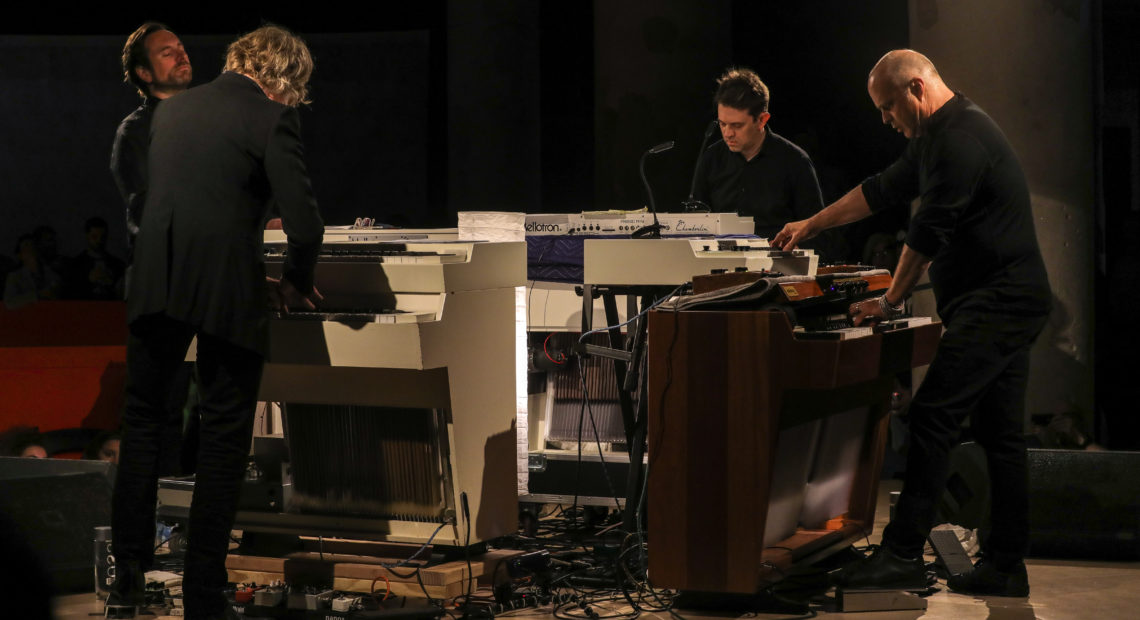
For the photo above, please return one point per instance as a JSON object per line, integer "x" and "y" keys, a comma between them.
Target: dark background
{"x": 451, "y": 105}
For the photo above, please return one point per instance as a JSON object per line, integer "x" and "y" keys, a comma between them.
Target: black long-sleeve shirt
{"x": 128, "y": 162}
{"x": 775, "y": 187}
{"x": 975, "y": 220}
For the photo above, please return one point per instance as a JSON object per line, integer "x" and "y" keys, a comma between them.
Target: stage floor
{"x": 1061, "y": 589}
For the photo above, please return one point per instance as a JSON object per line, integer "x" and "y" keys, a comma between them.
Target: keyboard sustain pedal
{"x": 951, "y": 556}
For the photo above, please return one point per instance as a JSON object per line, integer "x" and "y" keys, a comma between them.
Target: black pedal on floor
{"x": 951, "y": 555}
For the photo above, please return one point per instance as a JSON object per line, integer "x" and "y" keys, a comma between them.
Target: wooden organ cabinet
{"x": 764, "y": 450}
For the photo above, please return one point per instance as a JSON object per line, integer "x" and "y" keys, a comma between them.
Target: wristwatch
{"x": 891, "y": 311}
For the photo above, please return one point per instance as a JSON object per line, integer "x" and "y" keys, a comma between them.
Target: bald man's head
{"x": 899, "y": 67}
{"x": 907, "y": 90}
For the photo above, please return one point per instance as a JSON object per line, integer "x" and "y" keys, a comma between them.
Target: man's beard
{"x": 175, "y": 84}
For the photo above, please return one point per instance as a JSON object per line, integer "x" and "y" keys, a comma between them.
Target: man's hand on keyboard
{"x": 283, "y": 295}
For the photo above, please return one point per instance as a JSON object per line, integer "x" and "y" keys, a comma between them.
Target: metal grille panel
{"x": 366, "y": 461}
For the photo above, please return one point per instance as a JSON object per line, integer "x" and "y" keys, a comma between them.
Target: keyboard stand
{"x": 629, "y": 369}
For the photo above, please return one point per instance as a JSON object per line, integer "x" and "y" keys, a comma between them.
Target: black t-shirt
{"x": 776, "y": 187}
{"x": 975, "y": 220}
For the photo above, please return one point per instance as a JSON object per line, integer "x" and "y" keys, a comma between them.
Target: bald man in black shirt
{"x": 974, "y": 230}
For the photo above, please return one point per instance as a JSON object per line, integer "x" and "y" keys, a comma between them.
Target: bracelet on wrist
{"x": 891, "y": 311}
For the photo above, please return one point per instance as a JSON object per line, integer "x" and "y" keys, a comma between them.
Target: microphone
{"x": 693, "y": 204}
{"x": 652, "y": 231}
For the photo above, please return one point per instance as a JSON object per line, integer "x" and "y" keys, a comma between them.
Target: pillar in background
{"x": 1028, "y": 63}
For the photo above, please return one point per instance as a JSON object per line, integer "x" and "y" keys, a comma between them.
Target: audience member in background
{"x": 104, "y": 447}
{"x": 883, "y": 250}
{"x": 7, "y": 265}
{"x": 94, "y": 273}
{"x": 34, "y": 451}
{"x": 1064, "y": 431}
{"x": 25, "y": 441}
{"x": 45, "y": 239}
{"x": 33, "y": 279}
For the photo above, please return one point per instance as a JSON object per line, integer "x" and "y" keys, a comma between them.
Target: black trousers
{"x": 980, "y": 371}
{"x": 229, "y": 376}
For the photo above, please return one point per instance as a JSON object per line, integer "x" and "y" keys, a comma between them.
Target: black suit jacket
{"x": 219, "y": 155}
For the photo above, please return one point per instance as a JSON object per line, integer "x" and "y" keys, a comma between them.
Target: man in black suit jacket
{"x": 220, "y": 154}
{"x": 156, "y": 64}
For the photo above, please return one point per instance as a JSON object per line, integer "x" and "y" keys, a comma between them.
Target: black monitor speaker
{"x": 52, "y": 507}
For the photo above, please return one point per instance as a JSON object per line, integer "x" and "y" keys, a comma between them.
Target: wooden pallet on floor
{"x": 361, "y": 572}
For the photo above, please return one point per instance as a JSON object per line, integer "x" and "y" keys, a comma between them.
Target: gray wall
{"x": 1028, "y": 63}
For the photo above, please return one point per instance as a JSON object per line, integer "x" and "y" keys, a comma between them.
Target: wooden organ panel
{"x": 764, "y": 450}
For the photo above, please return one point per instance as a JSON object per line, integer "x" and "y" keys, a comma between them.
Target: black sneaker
{"x": 883, "y": 570}
{"x": 128, "y": 592}
{"x": 987, "y": 580}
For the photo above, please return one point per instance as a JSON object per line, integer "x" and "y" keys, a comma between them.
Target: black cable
{"x": 597, "y": 437}
{"x": 585, "y": 395}
{"x": 423, "y": 588}
{"x": 533, "y": 283}
{"x": 668, "y": 378}
{"x": 418, "y": 551}
{"x": 467, "y": 549}
{"x": 652, "y": 306}
{"x": 581, "y": 418}
{"x": 163, "y": 542}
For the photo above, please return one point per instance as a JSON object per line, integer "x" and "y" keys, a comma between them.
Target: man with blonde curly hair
{"x": 220, "y": 155}
{"x": 277, "y": 60}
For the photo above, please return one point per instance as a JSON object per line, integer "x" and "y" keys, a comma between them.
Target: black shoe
{"x": 987, "y": 580}
{"x": 128, "y": 592}
{"x": 883, "y": 570}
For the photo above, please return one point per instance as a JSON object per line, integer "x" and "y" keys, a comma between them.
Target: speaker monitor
{"x": 52, "y": 507}
{"x": 1082, "y": 503}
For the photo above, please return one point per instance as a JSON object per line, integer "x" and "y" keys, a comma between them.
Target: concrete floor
{"x": 1061, "y": 590}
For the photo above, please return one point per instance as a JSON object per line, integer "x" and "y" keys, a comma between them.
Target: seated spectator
{"x": 1064, "y": 431}
{"x": 105, "y": 447}
{"x": 46, "y": 248}
{"x": 24, "y": 441}
{"x": 33, "y": 450}
{"x": 6, "y": 265}
{"x": 33, "y": 280}
{"x": 882, "y": 250}
{"x": 93, "y": 273}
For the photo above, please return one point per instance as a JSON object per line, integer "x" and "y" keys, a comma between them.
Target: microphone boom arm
{"x": 652, "y": 231}
{"x": 692, "y": 204}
